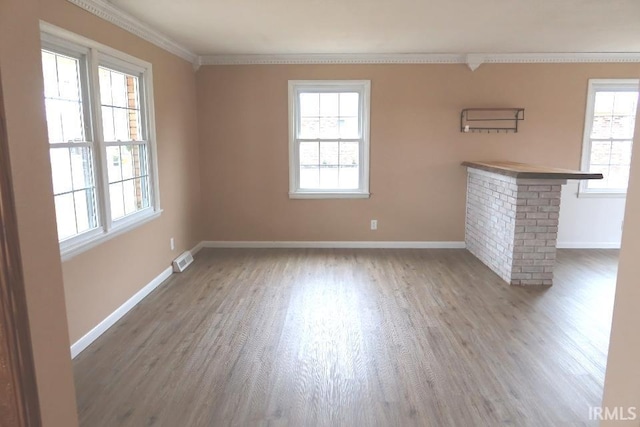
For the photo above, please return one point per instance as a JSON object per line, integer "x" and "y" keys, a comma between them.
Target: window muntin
{"x": 329, "y": 143}
{"x": 104, "y": 171}
{"x": 610, "y": 124}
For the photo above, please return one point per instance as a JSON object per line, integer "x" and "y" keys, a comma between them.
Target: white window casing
{"x": 332, "y": 142}
{"x": 92, "y": 56}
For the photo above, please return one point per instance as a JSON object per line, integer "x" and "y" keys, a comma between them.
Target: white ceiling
{"x": 209, "y": 27}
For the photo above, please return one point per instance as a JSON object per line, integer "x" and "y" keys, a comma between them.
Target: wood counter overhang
{"x": 527, "y": 171}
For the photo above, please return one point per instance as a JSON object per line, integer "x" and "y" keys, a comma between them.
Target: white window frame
{"x": 363, "y": 87}
{"x": 594, "y": 86}
{"x": 97, "y": 54}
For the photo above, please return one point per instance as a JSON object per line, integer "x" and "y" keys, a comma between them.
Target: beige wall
{"x": 622, "y": 382}
{"x": 100, "y": 280}
{"x": 29, "y": 154}
{"x": 416, "y": 184}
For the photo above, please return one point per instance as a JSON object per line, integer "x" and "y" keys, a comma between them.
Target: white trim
{"x": 473, "y": 60}
{"x": 588, "y": 245}
{"x": 328, "y": 195}
{"x": 102, "y": 327}
{"x": 105, "y": 10}
{"x": 332, "y": 244}
{"x": 126, "y": 21}
{"x": 593, "y": 86}
{"x": 78, "y": 246}
{"x": 362, "y": 87}
{"x": 197, "y": 248}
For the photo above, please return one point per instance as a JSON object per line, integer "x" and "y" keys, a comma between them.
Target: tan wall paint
{"x": 23, "y": 88}
{"x": 622, "y": 382}
{"x": 100, "y": 280}
{"x": 417, "y": 185}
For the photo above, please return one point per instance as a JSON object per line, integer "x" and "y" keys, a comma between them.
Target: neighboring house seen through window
{"x": 102, "y": 149}
{"x": 608, "y": 139}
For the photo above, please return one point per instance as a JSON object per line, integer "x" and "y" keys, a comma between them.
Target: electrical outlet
{"x": 374, "y": 224}
{"x": 172, "y": 243}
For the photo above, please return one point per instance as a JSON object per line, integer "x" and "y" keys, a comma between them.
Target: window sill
{"x": 600, "y": 195}
{"x": 91, "y": 239}
{"x": 319, "y": 195}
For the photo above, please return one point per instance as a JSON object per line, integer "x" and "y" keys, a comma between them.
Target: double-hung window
{"x": 101, "y": 139}
{"x": 329, "y": 138}
{"x": 608, "y": 137}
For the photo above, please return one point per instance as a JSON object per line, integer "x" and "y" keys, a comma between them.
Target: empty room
{"x": 319, "y": 213}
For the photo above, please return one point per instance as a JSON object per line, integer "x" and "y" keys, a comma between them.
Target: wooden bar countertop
{"x": 524, "y": 170}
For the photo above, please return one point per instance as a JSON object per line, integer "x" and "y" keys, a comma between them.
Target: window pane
{"x": 625, "y": 103}
{"x": 130, "y": 197}
{"x": 50, "y": 75}
{"x": 349, "y": 127}
{"x": 121, "y": 124}
{"x": 329, "y": 153}
{"x": 86, "y": 214}
{"x": 108, "y": 129}
{"x": 309, "y": 153}
{"x": 68, "y": 78}
{"x": 622, "y": 126}
{"x": 120, "y": 98}
{"x": 65, "y": 216}
{"x": 117, "y": 202}
{"x": 309, "y": 104}
{"x": 309, "y": 128}
{"x": 600, "y": 152}
{"x": 349, "y": 173}
{"x": 618, "y": 177}
{"x": 134, "y": 161}
{"x": 61, "y": 170}
{"x": 54, "y": 120}
{"x": 105, "y": 86}
{"x": 329, "y": 127}
{"x": 329, "y": 104}
{"x": 349, "y": 104}
{"x": 114, "y": 169}
{"x": 621, "y": 152}
{"x": 63, "y": 100}
{"x": 329, "y": 162}
{"x": 72, "y": 128}
{"x": 603, "y": 104}
{"x": 309, "y": 177}
{"x": 81, "y": 167}
{"x": 601, "y": 127}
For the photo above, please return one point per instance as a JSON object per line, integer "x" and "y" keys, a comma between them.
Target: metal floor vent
{"x": 182, "y": 262}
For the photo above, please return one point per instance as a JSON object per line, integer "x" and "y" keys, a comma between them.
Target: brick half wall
{"x": 512, "y": 225}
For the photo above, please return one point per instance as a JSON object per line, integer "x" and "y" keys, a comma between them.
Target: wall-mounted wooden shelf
{"x": 490, "y": 119}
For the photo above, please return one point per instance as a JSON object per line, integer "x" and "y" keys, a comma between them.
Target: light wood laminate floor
{"x": 354, "y": 337}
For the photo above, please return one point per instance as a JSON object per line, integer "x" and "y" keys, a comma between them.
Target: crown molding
{"x": 107, "y": 11}
{"x": 472, "y": 60}
{"x": 338, "y": 58}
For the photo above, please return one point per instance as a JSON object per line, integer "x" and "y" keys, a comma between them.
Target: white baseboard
{"x": 197, "y": 248}
{"x": 327, "y": 244}
{"x": 588, "y": 245}
{"x": 93, "y": 334}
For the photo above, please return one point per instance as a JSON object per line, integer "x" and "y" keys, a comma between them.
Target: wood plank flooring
{"x": 354, "y": 337}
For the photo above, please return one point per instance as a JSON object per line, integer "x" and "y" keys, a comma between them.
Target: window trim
{"x": 593, "y": 86}
{"x": 97, "y": 54}
{"x": 361, "y": 86}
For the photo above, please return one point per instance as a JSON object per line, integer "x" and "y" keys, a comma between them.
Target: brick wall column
{"x": 512, "y": 225}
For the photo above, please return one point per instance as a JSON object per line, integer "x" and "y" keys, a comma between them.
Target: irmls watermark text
{"x": 616, "y": 413}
